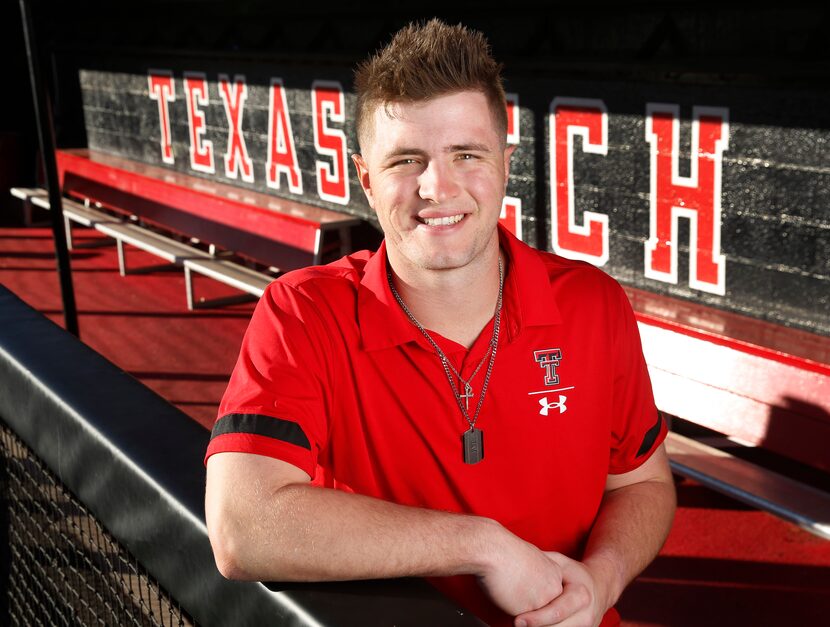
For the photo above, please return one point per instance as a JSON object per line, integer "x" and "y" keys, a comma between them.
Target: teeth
{"x": 443, "y": 221}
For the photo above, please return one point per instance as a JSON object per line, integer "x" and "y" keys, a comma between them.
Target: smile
{"x": 442, "y": 221}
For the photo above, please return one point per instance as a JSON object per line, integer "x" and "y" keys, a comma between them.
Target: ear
{"x": 508, "y": 152}
{"x": 363, "y": 177}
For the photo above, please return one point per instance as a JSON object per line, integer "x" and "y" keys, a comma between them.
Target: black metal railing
{"x": 103, "y": 487}
{"x": 63, "y": 566}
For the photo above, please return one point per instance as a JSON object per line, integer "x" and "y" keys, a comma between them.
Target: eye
{"x": 466, "y": 156}
{"x": 406, "y": 161}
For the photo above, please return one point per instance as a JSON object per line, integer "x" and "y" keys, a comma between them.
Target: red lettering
{"x": 332, "y": 178}
{"x": 160, "y": 83}
{"x": 196, "y": 95}
{"x": 511, "y": 207}
{"x": 511, "y": 215}
{"x": 587, "y": 118}
{"x": 696, "y": 197}
{"x": 282, "y": 156}
{"x": 513, "y": 131}
{"x": 236, "y": 156}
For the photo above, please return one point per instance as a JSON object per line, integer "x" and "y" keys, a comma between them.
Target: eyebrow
{"x": 399, "y": 152}
{"x": 468, "y": 148}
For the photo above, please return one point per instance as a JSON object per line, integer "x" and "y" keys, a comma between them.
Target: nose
{"x": 437, "y": 182}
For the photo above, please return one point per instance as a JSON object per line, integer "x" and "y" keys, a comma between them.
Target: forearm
{"x": 303, "y": 533}
{"x": 267, "y": 523}
{"x": 631, "y": 527}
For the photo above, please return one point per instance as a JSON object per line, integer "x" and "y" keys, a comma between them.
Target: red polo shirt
{"x": 334, "y": 378}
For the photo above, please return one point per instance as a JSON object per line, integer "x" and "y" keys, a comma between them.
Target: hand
{"x": 521, "y": 577}
{"x": 579, "y": 605}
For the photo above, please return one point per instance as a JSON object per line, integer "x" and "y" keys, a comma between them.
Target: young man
{"x": 469, "y": 409}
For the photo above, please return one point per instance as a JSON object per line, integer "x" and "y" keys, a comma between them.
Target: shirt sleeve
{"x": 638, "y": 428}
{"x": 275, "y": 402}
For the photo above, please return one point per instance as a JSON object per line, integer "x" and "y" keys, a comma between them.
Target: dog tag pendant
{"x": 473, "y": 446}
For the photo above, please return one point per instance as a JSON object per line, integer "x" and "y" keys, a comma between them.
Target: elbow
{"x": 230, "y": 568}
{"x": 230, "y": 534}
{"x": 248, "y": 544}
{"x": 229, "y": 554}
{"x": 231, "y": 539}
{"x": 238, "y": 558}
{"x": 242, "y": 553}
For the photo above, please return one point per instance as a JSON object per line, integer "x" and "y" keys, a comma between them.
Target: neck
{"x": 457, "y": 303}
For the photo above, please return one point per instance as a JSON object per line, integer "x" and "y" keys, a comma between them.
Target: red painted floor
{"x": 140, "y": 322}
{"x": 723, "y": 564}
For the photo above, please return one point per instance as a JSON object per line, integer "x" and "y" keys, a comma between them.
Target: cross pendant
{"x": 468, "y": 394}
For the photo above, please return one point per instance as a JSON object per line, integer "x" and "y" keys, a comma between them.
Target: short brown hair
{"x": 428, "y": 60}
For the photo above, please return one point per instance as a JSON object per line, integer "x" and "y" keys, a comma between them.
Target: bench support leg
{"x": 216, "y": 302}
{"x": 28, "y": 211}
{"x": 188, "y": 286}
{"x": 122, "y": 262}
{"x": 71, "y": 244}
{"x": 28, "y": 220}
{"x": 67, "y": 226}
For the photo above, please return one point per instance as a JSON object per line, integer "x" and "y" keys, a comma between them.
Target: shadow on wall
{"x": 800, "y": 430}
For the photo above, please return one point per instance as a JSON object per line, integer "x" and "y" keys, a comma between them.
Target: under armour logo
{"x": 546, "y": 407}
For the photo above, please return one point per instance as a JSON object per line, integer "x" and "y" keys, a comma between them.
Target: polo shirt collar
{"x": 381, "y": 320}
{"x": 528, "y": 298}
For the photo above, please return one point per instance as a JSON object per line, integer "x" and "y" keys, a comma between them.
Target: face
{"x": 435, "y": 173}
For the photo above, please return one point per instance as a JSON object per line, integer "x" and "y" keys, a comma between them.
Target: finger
{"x": 573, "y": 599}
{"x": 580, "y": 619}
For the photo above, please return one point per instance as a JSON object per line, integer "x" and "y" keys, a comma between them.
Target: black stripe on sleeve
{"x": 651, "y": 436}
{"x": 257, "y": 424}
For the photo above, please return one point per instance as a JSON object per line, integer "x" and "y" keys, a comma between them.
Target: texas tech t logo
{"x": 548, "y": 359}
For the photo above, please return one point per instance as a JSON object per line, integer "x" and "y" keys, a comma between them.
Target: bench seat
{"x": 76, "y": 212}
{"x": 192, "y": 259}
{"x": 757, "y": 383}
{"x": 125, "y": 233}
{"x": 227, "y": 272}
{"x": 751, "y": 484}
{"x": 274, "y": 231}
{"x": 27, "y": 195}
{"x": 760, "y": 383}
{"x": 163, "y": 247}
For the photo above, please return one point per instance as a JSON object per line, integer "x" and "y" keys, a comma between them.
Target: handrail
{"x": 135, "y": 461}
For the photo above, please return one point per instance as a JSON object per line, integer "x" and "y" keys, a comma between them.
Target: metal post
{"x": 46, "y": 139}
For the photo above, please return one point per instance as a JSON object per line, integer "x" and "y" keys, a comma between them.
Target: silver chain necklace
{"x": 473, "y": 439}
